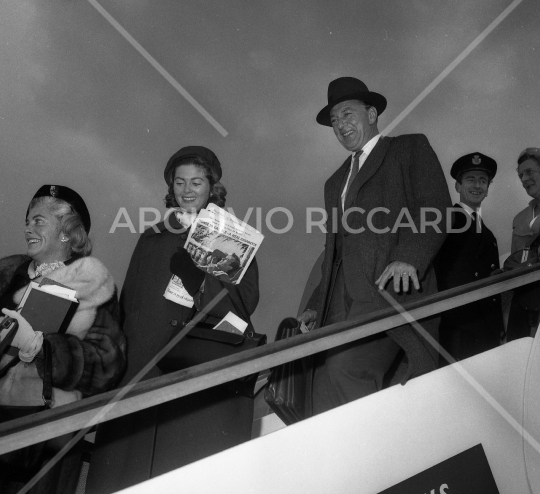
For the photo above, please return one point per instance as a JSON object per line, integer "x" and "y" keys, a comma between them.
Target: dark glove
{"x": 183, "y": 266}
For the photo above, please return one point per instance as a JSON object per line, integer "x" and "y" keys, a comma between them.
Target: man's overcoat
{"x": 399, "y": 188}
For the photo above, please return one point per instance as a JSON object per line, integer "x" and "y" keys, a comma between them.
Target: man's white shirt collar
{"x": 471, "y": 210}
{"x": 370, "y": 145}
{"x": 478, "y": 212}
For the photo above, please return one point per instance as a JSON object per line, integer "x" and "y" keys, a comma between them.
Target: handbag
{"x": 21, "y": 465}
{"x": 203, "y": 344}
{"x": 288, "y": 391}
{"x": 528, "y": 296}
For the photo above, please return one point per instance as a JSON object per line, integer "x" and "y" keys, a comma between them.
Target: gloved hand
{"x": 28, "y": 341}
{"x": 183, "y": 266}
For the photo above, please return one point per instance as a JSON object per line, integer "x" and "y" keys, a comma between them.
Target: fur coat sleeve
{"x": 91, "y": 356}
{"x": 94, "y": 364}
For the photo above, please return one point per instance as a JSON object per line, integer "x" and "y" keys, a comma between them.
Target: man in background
{"x": 467, "y": 256}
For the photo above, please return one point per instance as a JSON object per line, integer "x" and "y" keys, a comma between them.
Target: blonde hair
{"x": 70, "y": 223}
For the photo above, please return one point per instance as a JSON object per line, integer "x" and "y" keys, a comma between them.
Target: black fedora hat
{"x": 347, "y": 88}
{"x": 474, "y": 161}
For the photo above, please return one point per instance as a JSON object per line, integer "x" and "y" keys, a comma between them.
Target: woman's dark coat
{"x": 132, "y": 449}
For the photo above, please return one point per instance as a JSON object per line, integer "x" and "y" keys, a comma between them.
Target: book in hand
{"x": 48, "y": 306}
{"x": 221, "y": 244}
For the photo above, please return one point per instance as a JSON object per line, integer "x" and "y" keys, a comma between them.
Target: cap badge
{"x": 476, "y": 160}
{"x": 54, "y": 190}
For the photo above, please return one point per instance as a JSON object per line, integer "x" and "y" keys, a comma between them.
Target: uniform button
{"x": 492, "y": 266}
{"x": 476, "y": 274}
{"x": 174, "y": 322}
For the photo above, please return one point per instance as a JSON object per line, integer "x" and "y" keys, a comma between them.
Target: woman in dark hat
{"x": 89, "y": 357}
{"x": 148, "y": 443}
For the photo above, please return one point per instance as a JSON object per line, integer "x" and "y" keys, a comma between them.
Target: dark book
{"x": 45, "y": 311}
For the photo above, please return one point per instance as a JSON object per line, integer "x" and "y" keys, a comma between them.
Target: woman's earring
{"x": 64, "y": 239}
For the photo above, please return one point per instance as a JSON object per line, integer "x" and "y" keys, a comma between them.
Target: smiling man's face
{"x": 473, "y": 188}
{"x": 529, "y": 174}
{"x": 354, "y": 124}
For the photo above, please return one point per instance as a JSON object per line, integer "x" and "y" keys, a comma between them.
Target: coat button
{"x": 492, "y": 266}
{"x": 174, "y": 322}
{"x": 476, "y": 274}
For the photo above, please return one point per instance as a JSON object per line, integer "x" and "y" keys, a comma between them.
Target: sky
{"x": 81, "y": 106}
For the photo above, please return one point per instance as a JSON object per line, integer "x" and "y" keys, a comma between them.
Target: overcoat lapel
{"x": 370, "y": 166}
{"x": 336, "y": 184}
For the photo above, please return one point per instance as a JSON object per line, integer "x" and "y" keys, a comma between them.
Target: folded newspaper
{"x": 221, "y": 244}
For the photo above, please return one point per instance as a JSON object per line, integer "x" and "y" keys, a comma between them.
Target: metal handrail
{"x": 79, "y": 415}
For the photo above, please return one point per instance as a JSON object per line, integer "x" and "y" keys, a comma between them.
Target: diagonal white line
{"x": 154, "y": 63}
{"x": 122, "y": 392}
{"x": 388, "y": 297}
{"x": 416, "y": 101}
{"x": 466, "y": 376}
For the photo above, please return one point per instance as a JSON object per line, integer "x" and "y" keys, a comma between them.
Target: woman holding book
{"x": 144, "y": 444}
{"x": 87, "y": 347}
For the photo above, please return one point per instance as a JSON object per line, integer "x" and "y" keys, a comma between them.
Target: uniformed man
{"x": 468, "y": 256}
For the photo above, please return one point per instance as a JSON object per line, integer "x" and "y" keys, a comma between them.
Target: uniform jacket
{"x": 90, "y": 357}
{"x": 400, "y": 172}
{"x": 466, "y": 257}
{"x": 149, "y": 320}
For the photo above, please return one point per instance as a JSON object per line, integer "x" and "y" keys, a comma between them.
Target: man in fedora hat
{"x": 380, "y": 194}
{"x": 470, "y": 254}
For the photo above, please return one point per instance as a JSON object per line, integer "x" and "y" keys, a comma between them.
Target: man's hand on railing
{"x": 308, "y": 317}
{"x": 402, "y": 274}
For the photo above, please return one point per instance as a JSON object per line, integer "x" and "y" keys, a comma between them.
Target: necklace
{"x": 46, "y": 267}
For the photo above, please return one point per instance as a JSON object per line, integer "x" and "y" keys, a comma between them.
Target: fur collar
{"x": 94, "y": 286}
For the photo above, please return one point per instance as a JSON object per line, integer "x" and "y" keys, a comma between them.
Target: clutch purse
{"x": 203, "y": 344}
{"x": 288, "y": 391}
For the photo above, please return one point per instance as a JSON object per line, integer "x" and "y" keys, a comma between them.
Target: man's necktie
{"x": 354, "y": 171}
{"x": 476, "y": 222}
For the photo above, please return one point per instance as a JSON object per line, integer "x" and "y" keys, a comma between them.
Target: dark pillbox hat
{"x": 192, "y": 151}
{"x": 474, "y": 161}
{"x": 68, "y": 195}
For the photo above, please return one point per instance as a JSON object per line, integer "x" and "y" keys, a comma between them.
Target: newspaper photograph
{"x": 221, "y": 244}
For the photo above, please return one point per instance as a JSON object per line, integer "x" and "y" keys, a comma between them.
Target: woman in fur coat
{"x": 89, "y": 357}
